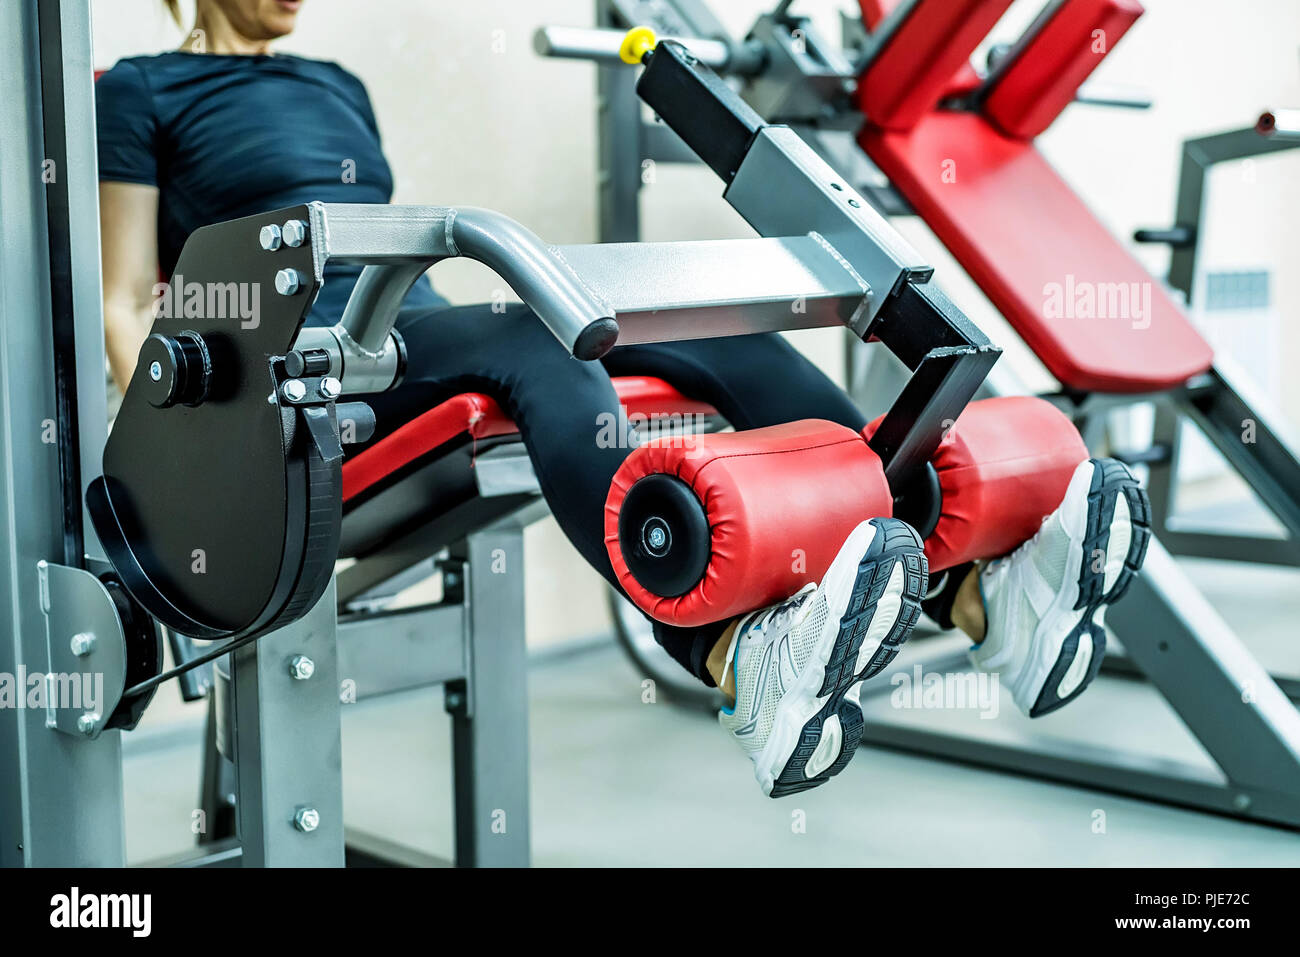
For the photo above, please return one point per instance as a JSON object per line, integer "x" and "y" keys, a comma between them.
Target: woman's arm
{"x": 128, "y": 235}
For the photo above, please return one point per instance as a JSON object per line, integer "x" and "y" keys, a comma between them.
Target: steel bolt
{"x": 657, "y": 538}
{"x": 1242, "y": 802}
{"x": 306, "y": 819}
{"x": 294, "y": 390}
{"x": 87, "y": 723}
{"x": 301, "y": 667}
{"x": 270, "y": 237}
{"x": 294, "y": 232}
{"x": 155, "y": 370}
{"x": 330, "y": 387}
{"x": 287, "y": 282}
{"x": 83, "y": 643}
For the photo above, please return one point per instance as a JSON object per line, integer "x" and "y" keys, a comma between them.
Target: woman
{"x": 193, "y": 137}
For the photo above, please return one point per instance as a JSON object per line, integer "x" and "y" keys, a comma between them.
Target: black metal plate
{"x": 207, "y": 497}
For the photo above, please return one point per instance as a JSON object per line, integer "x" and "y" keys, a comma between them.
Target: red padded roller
{"x": 1042, "y": 80}
{"x": 1002, "y": 468}
{"x": 779, "y": 503}
{"x": 922, "y": 57}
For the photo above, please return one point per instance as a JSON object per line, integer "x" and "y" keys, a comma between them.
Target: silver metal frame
{"x": 61, "y": 796}
{"x": 287, "y": 744}
{"x": 471, "y": 643}
{"x": 827, "y": 258}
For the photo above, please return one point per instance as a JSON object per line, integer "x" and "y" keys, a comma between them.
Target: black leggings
{"x": 564, "y": 408}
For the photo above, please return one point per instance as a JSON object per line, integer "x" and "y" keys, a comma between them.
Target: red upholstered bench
{"x": 1095, "y": 317}
{"x": 477, "y": 416}
{"x": 423, "y": 472}
{"x": 1025, "y": 237}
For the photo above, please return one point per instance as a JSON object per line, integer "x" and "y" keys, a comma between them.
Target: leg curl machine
{"x": 224, "y": 498}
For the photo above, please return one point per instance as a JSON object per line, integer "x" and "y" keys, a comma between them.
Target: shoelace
{"x": 787, "y": 614}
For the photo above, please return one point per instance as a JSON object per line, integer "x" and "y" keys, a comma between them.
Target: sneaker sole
{"x": 1112, "y": 483}
{"x": 890, "y": 581}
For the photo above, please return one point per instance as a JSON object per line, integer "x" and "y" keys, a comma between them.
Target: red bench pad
{"x": 1045, "y": 76}
{"x": 1024, "y": 236}
{"x": 480, "y": 417}
{"x": 926, "y": 58}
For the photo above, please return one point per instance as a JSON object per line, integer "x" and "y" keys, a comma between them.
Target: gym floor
{"x": 620, "y": 782}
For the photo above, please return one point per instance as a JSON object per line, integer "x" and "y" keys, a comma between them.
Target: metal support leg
{"x": 618, "y": 133}
{"x": 288, "y": 744}
{"x": 490, "y": 708}
{"x": 217, "y": 787}
{"x": 1162, "y": 475}
{"x": 1253, "y": 439}
{"x": 1223, "y": 695}
{"x": 60, "y": 796}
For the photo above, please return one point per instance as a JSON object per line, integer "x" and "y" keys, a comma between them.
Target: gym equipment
{"x": 1219, "y": 403}
{"x": 225, "y": 496}
{"x": 889, "y": 108}
{"x": 706, "y": 530}
{"x": 1004, "y": 464}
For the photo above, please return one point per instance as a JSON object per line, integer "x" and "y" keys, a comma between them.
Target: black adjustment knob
{"x": 1176, "y": 237}
{"x": 307, "y": 362}
{"x": 174, "y": 370}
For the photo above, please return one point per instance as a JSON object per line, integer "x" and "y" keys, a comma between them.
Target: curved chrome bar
{"x": 541, "y": 277}
{"x": 397, "y": 243}
{"x": 379, "y": 292}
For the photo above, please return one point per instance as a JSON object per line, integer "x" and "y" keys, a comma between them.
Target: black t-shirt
{"x": 230, "y": 136}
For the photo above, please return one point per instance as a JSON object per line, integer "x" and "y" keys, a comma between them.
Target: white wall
{"x": 470, "y": 114}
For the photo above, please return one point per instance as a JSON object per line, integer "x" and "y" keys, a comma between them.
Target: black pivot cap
{"x": 174, "y": 370}
{"x": 664, "y": 535}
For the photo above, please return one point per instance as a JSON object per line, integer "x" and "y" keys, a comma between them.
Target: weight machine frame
{"x": 827, "y": 259}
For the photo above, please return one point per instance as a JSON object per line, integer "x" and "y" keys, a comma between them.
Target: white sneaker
{"x": 1045, "y": 602}
{"x": 797, "y": 662}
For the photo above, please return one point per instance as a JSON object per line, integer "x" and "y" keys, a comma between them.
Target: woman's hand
{"x": 128, "y": 224}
